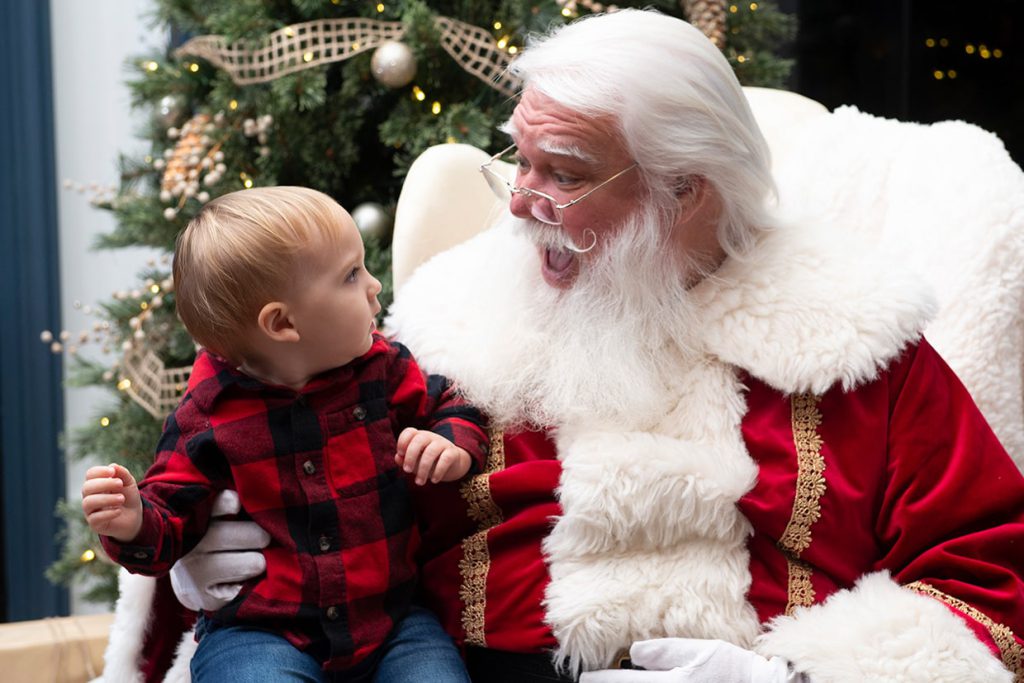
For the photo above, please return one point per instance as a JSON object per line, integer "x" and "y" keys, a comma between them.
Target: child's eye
{"x": 353, "y": 275}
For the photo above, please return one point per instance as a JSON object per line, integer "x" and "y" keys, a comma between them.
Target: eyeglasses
{"x": 544, "y": 207}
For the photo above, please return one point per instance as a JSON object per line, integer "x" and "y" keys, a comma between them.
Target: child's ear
{"x": 275, "y": 322}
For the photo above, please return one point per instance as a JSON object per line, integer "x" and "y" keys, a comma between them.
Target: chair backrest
{"x": 945, "y": 197}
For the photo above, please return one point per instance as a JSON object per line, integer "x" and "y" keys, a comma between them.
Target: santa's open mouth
{"x": 558, "y": 265}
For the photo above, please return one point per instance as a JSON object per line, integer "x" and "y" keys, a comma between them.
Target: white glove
{"x": 210, "y": 576}
{"x": 690, "y": 660}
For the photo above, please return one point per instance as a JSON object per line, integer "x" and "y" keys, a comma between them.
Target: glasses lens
{"x": 543, "y": 209}
{"x": 498, "y": 186}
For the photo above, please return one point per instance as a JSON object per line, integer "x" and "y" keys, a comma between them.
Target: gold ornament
{"x": 709, "y": 17}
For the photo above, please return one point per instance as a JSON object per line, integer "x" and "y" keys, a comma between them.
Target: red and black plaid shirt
{"x": 316, "y": 469}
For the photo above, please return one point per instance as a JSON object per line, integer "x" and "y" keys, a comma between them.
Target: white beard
{"x": 596, "y": 351}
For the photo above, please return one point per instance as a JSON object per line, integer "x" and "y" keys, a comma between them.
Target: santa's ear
{"x": 274, "y": 321}
{"x": 691, "y": 191}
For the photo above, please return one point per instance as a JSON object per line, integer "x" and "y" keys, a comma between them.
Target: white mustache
{"x": 551, "y": 237}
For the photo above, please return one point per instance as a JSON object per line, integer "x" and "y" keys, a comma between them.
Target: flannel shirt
{"x": 316, "y": 469}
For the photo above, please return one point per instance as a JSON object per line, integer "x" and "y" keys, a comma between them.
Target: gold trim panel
{"x": 810, "y": 480}
{"x": 1011, "y": 651}
{"x": 801, "y": 592}
{"x": 476, "y": 559}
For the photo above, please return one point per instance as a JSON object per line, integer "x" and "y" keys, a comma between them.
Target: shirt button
{"x": 308, "y": 467}
{"x": 325, "y": 544}
{"x": 359, "y": 412}
{"x": 333, "y": 613}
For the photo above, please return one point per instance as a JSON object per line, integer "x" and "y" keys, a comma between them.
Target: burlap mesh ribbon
{"x": 150, "y": 384}
{"x": 323, "y": 41}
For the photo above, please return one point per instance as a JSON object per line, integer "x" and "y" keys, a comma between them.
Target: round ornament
{"x": 373, "y": 221}
{"x": 170, "y": 109}
{"x": 393, "y": 64}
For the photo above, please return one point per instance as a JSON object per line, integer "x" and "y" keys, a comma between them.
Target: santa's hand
{"x": 690, "y": 660}
{"x": 211, "y": 575}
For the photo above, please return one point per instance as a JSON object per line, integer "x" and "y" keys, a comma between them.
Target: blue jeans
{"x": 418, "y": 650}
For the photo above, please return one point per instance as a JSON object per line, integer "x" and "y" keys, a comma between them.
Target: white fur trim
{"x": 879, "y": 631}
{"x": 651, "y": 542}
{"x": 807, "y": 313}
{"x": 131, "y": 620}
{"x": 180, "y": 671}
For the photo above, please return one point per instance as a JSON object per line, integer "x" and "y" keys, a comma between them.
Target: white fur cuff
{"x": 878, "y": 631}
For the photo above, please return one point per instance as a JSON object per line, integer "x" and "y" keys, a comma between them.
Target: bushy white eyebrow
{"x": 552, "y": 146}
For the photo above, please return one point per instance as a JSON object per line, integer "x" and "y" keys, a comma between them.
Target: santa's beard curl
{"x": 595, "y": 352}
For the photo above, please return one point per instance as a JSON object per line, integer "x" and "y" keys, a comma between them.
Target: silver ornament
{"x": 393, "y": 64}
{"x": 373, "y": 221}
{"x": 170, "y": 109}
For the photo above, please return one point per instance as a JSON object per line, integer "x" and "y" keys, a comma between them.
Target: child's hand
{"x": 111, "y": 502}
{"x": 431, "y": 456}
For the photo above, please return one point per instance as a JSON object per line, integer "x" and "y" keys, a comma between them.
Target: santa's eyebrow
{"x": 566, "y": 150}
{"x": 553, "y": 146}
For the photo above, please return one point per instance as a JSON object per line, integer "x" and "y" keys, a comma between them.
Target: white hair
{"x": 676, "y": 101}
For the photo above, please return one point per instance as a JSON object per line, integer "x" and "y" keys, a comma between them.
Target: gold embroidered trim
{"x": 810, "y": 480}
{"x": 476, "y": 559}
{"x": 473, "y": 568}
{"x": 1011, "y": 651}
{"x": 801, "y": 592}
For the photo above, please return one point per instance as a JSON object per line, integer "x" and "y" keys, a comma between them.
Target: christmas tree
{"x": 338, "y": 96}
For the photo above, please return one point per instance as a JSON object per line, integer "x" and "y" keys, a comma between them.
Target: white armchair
{"x": 946, "y": 196}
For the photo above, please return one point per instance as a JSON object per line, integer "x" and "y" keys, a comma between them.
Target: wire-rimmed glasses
{"x": 544, "y": 207}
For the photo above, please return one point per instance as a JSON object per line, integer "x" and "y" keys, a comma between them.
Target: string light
{"x": 233, "y": 104}
{"x": 497, "y": 26}
{"x": 288, "y": 31}
{"x": 512, "y": 49}
{"x": 938, "y": 75}
{"x": 104, "y": 421}
{"x": 951, "y": 73}
{"x": 753, "y": 7}
{"x": 741, "y": 59}
{"x": 943, "y": 42}
{"x": 152, "y": 66}
{"x": 125, "y": 384}
{"x": 193, "y": 67}
{"x": 89, "y": 555}
{"x": 503, "y": 42}
{"x": 380, "y": 7}
{"x": 307, "y": 57}
{"x": 969, "y": 49}
{"x": 435, "y": 108}
{"x": 418, "y": 94}
{"x": 154, "y": 288}
{"x": 566, "y": 12}
{"x": 929, "y": 42}
{"x": 734, "y": 9}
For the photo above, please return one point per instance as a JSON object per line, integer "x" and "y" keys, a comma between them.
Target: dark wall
{"x": 876, "y": 55}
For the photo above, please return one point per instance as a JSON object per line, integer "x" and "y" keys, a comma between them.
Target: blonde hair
{"x": 241, "y": 252}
